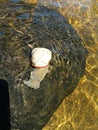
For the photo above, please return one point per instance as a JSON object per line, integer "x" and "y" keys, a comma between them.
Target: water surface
{"x": 79, "y": 110}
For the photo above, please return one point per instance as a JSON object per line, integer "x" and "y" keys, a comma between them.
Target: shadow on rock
{"x": 4, "y": 106}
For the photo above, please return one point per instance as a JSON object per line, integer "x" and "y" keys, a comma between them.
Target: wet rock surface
{"x": 23, "y": 28}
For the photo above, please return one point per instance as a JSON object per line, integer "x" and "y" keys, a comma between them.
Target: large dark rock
{"x": 38, "y": 26}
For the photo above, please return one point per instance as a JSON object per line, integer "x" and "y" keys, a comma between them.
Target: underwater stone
{"x": 31, "y": 108}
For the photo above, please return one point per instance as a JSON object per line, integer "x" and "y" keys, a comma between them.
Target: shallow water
{"x": 79, "y": 110}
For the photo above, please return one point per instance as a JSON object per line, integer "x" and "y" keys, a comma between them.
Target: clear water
{"x": 79, "y": 110}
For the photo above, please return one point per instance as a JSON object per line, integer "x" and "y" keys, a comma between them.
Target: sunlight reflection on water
{"x": 80, "y": 109}
{"x": 82, "y": 15}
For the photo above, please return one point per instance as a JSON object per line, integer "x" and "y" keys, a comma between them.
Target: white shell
{"x": 40, "y": 57}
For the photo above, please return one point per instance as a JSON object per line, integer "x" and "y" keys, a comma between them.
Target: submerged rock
{"x": 38, "y": 26}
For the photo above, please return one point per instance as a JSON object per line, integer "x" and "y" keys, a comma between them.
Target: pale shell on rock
{"x": 40, "y": 57}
